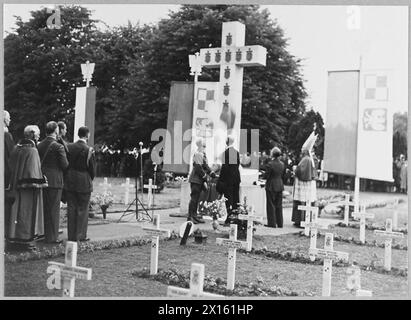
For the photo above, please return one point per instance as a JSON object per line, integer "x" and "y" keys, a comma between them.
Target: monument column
{"x": 85, "y": 104}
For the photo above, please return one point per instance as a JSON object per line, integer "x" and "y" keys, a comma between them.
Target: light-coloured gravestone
{"x": 388, "y": 234}
{"x": 328, "y": 254}
{"x": 150, "y": 186}
{"x": 308, "y": 209}
{"x": 156, "y": 232}
{"x": 354, "y": 282}
{"x": 232, "y": 244}
{"x": 68, "y": 271}
{"x": 127, "y": 186}
{"x": 251, "y": 218}
{"x": 196, "y": 285}
{"x": 363, "y": 216}
{"x": 231, "y": 59}
{"x": 105, "y": 185}
{"x": 347, "y": 203}
{"x": 314, "y": 226}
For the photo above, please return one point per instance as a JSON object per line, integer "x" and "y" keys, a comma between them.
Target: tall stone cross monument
{"x": 85, "y": 104}
{"x": 231, "y": 58}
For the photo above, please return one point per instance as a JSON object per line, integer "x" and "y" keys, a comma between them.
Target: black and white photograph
{"x": 204, "y": 152}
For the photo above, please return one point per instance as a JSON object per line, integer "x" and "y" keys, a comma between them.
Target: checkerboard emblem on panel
{"x": 203, "y": 96}
{"x": 376, "y": 87}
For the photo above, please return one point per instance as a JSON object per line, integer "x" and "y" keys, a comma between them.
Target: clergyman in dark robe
{"x": 26, "y": 186}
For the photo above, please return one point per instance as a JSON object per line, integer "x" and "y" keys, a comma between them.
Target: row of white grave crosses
{"x": 328, "y": 254}
{"x": 156, "y": 232}
{"x": 105, "y": 185}
{"x": 68, "y": 271}
{"x": 196, "y": 285}
{"x": 362, "y": 215}
{"x": 232, "y": 244}
{"x": 388, "y": 234}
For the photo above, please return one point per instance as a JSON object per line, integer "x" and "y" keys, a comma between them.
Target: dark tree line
{"x": 135, "y": 65}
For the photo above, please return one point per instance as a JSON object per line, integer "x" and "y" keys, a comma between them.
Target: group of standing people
{"x": 228, "y": 181}
{"x": 400, "y": 174}
{"x": 38, "y": 176}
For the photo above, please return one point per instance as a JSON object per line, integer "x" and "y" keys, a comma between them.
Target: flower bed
{"x": 294, "y": 256}
{"x": 369, "y": 227}
{"x": 217, "y": 285}
{"x": 58, "y": 251}
{"x": 352, "y": 240}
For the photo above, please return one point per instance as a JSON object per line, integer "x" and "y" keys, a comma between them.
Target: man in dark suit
{"x": 53, "y": 164}
{"x": 79, "y": 185}
{"x": 8, "y": 148}
{"x": 274, "y": 173}
{"x": 62, "y": 135}
{"x": 229, "y": 180}
{"x": 198, "y": 180}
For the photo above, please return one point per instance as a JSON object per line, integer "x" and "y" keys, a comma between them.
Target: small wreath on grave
{"x": 243, "y": 209}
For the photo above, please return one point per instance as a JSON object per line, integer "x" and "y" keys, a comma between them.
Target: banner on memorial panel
{"x": 375, "y": 124}
{"x": 208, "y": 120}
{"x": 359, "y": 115}
{"x": 340, "y": 145}
{"x": 180, "y": 120}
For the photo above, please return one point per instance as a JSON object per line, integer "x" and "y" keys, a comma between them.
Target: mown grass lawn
{"x": 112, "y": 270}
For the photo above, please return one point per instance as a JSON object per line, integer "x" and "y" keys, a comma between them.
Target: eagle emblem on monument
{"x": 228, "y": 56}
{"x": 218, "y": 56}
{"x": 238, "y": 55}
{"x": 229, "y": 39}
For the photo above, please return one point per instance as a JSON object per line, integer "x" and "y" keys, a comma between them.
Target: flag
{"x": 359, "y": 123}
{"x": 375, "y": 125}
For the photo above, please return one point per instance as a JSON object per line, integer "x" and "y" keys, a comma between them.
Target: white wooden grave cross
{"x": 231, "y": 59}
{"x": 362, "y": 216}
{"x": 69, "y": 271}
{"x": 155, "y": 241}
{"x": 389, "y": 235}
{"x": 354, "y": 282}
{"x": 347, "y": 203}
{"x": 127, "y": 187}
{"x": 314, "y": 226}
{"x": 232, "y": 244}
{"x": 196, "y": 285}
{"x": 308, "y": 209}
{"x": 150, "y": 186}
{"x": 251, "y": 218}
{"x": 328, "y": 254}
{"x": 395, "y": 215}
{"x": 105, "y": 185}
